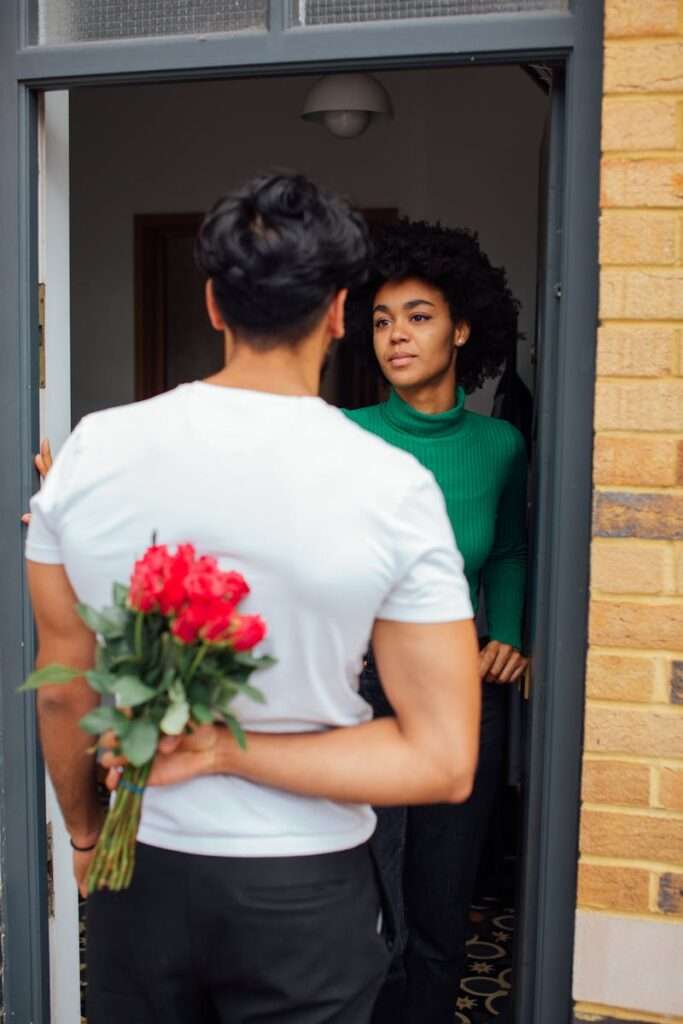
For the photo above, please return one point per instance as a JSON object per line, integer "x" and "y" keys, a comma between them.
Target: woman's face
{"x": 414, "y": 336}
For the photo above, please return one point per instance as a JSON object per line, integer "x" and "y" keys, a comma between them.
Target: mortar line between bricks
{"x": 616, "y": 321}
{"x": 649, "y": 600}
{"x": 654, "y": 813}
{"x": 660, "y": 490}
{"x": 675, "y": 920}
{"x": 669, "y": 710}
{"x": 634, "y": 652}
{"x": 646, "y": 760}
{"x": 625, "y": 862}
{"x": 637, "y": 435}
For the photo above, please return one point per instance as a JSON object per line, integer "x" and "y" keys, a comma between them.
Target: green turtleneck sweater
{"x": 480, "y": 464}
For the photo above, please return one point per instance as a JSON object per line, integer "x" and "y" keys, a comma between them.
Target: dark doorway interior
{"x": 465, "y": 148}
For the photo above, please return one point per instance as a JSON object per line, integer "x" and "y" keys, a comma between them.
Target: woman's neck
{"x": 431, "y": 398}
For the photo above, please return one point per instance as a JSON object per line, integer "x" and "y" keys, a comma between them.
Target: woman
{"x": 444, "y": 320}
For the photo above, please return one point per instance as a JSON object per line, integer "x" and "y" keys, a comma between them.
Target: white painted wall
{"x": 463, "y": 148}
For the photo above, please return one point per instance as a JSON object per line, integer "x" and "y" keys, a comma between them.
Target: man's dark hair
{"x": 451, "y": 260}
{"x": 277, "y": 250}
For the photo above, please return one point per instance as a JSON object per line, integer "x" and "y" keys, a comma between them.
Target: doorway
{"x": 465, "y": 148}
{"x": 536, "y": 30}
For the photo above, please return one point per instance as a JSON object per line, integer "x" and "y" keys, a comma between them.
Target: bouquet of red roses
{"x": 173, "y": 652}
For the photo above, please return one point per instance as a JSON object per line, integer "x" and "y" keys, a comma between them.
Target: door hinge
{"x": 50, "y": 868}
{"x": 41, "y": 334}
{"x": 558, "y": 290}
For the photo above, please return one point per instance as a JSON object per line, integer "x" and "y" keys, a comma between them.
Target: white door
{"x": 55, "y": 423}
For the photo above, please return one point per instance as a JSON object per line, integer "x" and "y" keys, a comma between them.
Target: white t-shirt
{"x": 332, "y": 528}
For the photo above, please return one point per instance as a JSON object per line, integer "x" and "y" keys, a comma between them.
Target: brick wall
{"x": 632, "y": 819}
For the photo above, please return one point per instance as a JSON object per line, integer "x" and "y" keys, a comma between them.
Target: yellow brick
{"x": 614, "y": 888}
{"x": 630, "y": 237}
{"x": 639, "y": 405}
{"x": 650, "y": 123}
{"x": 643, "y": 461}
{"x": 636, "y": 350}
{"x": 620, "y": 677}
{"x": 679, "y": 568}
{"x": 615, "y": 782}
{"x": 671, "y": 788}
{"x": 632, "y": 836}
{"x": 644, "y": 732}
{"x": 646, "y": 182}
{"x": 640, "y": 18}
{"x": 601, "y": 1014}
{"x": 641, "y": 294}
{"x": 643, "y": 515}
{"x": 631, "y": 566}
{"x": 632, "y": 624}
{"x": 670, "y": 893}
{"x": 644, "y": 67}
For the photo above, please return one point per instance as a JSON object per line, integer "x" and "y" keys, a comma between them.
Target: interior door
{"x": 55, "y": 423}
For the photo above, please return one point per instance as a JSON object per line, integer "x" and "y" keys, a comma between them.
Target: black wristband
{"x": 82, "y": 849}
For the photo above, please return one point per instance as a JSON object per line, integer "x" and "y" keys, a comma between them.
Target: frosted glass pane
{"x": 329, "y": 12}
{"x": 72, "y": 21}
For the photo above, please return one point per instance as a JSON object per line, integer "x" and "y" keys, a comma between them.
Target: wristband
{"x": 82, "y": 849}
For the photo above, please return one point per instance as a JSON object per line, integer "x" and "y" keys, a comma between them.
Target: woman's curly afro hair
{"x": 451, "y": 260}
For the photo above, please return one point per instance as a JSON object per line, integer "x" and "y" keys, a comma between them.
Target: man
{"x": 254, "y": 896}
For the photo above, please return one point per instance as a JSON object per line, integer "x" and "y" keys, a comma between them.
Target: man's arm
{"x": 63, "y": 638}
{"x": 427, "y": 754}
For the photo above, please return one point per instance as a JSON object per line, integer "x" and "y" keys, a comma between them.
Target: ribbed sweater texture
{"x": 480, "y": 464}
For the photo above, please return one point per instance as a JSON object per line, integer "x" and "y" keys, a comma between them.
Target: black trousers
{"x": 233, "y": 940}
{"x": 428, "y": 857}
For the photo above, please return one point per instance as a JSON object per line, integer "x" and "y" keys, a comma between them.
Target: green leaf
{"x": 202, "y": 714}
{"x": 131, "y": 691}
{"x": 140, "y": 742}
{"x": 253, "y": 693}
{"x": 105, "y": 717}
{"x": 101, "y": 682}
{"x": 176, "y": 692}
{"x": 101, "y": 622}
{"x": 120, "y": 595}
{"x": 175, "y": 719}
{"x": 236, "y": 730}
{"x": 50, "y": 674}
{"x": 251, "y": 661}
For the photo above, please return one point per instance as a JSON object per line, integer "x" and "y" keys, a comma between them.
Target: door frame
{"x": 571, "y": 40}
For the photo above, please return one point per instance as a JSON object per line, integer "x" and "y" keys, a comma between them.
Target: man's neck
{"x": 284, "y": 370}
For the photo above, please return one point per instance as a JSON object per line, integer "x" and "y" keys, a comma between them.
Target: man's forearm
{"x": 372, "y": 763}
{"x": 71, "y": 767}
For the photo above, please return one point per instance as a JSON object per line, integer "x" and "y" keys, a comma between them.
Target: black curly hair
{"x": 451, "y": 260}
{"x": 277, "y": 250}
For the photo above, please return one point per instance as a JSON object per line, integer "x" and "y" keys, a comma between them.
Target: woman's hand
{"x": 178, "y": 758}
{"x": 43, "y": 463}
{"x": 501, "y": 663}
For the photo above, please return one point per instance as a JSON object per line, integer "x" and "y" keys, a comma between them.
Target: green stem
{"x": 114, "y": 859}
{"x": 139, "y": 621}
{"x": 196, "y": 662}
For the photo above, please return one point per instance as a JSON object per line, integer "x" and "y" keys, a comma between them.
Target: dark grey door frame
{"x": 574, "y": 42}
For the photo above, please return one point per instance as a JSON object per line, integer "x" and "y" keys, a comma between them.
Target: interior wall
{"x": 463, "y": 148}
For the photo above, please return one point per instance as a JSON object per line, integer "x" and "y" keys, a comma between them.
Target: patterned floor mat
{"x": 487, "y": 984}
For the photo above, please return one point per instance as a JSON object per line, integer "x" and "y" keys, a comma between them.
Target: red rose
{"x": 219, "y": 618}
{"x": 174, "y": 591}
{"x": 187, "y": 625}
{"x": 246, "y": 631}
{"x": 206, "y": 582}
{"x": 157, "y": 583}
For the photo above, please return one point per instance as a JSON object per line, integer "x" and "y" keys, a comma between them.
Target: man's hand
{"x": 501, "y": 663}
{"x": 43, "y": 463}
{"x": 178, "y": 758}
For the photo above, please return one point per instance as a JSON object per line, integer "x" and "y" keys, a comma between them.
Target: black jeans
{"x": 236, "y": 940}
{"x": 428, "y": 857}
